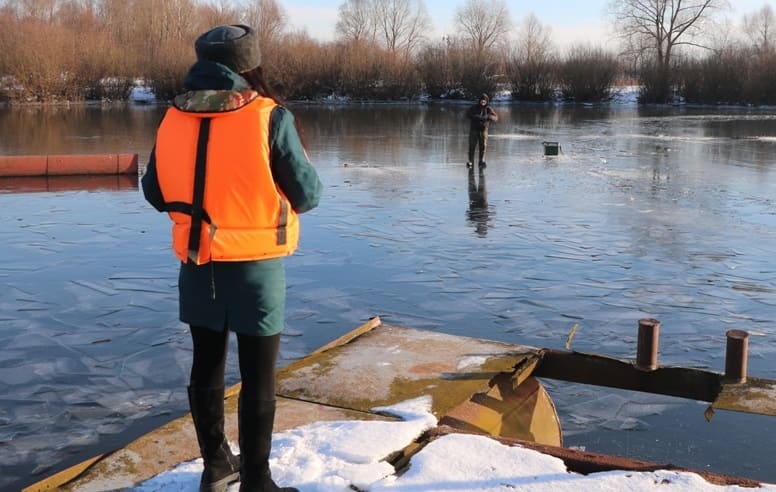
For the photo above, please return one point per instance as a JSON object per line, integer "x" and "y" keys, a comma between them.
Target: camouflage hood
{"x": 213, "y": 101}
{"x": 212, "y": 87}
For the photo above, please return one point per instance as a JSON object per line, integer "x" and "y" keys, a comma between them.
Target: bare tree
{"x": 663, "y": 25}
{"x": 121, "y": 27}
{"x": 532, "y": 61}
{"x": 534, "y": 41}
{"x": 656, "y": 28}
{"x": 268, "y": 18}
{"x": 355, "y": 20}
{"x": 42, "y": 10}
{"x": 401, "y": 24}
{"x": 483, "y": 22}
{"x": 217, "y": 12}
{"x": 760, "y": 27}
{"x": 79, "y": 15}
{"x": 303, "y": 68}
{"x": 587, "y": 73}
{"x": 178, "y": 19}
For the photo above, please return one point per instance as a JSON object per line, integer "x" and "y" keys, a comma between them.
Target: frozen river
{"x": 665, "y": 213}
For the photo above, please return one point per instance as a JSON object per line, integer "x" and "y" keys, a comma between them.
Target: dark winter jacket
{"x": 480, "y": 115}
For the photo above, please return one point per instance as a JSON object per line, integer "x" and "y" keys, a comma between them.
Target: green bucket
{"x": 551, "y": 148}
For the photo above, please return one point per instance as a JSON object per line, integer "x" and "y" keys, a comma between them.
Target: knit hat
{"x": 485, "y": 97}
{"x": 236, "y": 46}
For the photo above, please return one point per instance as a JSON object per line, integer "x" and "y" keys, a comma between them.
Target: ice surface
{"x": 661, "y": 213}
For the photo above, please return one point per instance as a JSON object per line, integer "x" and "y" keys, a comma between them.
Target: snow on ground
{"x": 142, "y": 94}
{"x": 333, "y": 456}
{"x": 626, "y": 94}
{"x": 620, "y": 95}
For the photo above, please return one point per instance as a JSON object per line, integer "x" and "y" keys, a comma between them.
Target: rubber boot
{"x": 256, "y": 418}
{"x": 221, "y": 466}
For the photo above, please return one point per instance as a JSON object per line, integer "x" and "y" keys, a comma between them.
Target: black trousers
{"x": 478, "y": 137}
{"x": 257, "y": 359}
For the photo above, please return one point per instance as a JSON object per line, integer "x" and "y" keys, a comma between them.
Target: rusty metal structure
{"x": 477, "y": 386}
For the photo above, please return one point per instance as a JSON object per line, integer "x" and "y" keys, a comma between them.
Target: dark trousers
{"x": 478, "y": 137}
{"x": 257, "y": 358}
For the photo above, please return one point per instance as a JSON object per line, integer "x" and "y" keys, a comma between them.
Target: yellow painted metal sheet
{"x": 524, "y": 412}
{"x": 389, "y": 364}
{"x": 753, "y": 396}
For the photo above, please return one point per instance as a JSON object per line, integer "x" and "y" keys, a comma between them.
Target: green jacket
{"x": 246, "y": 297}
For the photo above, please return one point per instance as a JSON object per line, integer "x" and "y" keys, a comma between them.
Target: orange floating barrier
{"x": 67, "y": 165}
{"x": 96, "y": 182}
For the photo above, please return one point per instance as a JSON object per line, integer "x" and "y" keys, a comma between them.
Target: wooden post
{"x": 736, "y": 356}
{"x": 646, "y": 351}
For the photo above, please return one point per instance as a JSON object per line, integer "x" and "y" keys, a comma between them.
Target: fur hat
{"x": 236, "y": 46}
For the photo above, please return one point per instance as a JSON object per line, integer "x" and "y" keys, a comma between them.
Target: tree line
{"x": 71, "y": 50}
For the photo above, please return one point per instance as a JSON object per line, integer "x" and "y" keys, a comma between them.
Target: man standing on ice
{"x": 480, "y": 115}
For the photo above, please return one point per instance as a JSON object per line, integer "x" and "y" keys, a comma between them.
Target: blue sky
{"x": 570, "y": 20}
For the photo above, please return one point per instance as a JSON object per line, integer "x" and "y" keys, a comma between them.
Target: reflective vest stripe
{"x": 282, "y": 222}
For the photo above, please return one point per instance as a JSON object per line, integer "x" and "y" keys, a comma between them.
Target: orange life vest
{"x": 244, "y": 215}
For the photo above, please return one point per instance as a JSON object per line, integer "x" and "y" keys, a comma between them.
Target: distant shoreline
{"x": 344, "y": 102}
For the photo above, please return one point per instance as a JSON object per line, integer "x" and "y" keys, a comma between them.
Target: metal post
{"x": 736, "y": 356}
{"x": 646, "y": 351}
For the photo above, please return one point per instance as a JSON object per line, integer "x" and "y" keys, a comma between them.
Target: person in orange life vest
{"x": 230, "y": 169}
{"x": 480, "y": 116}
